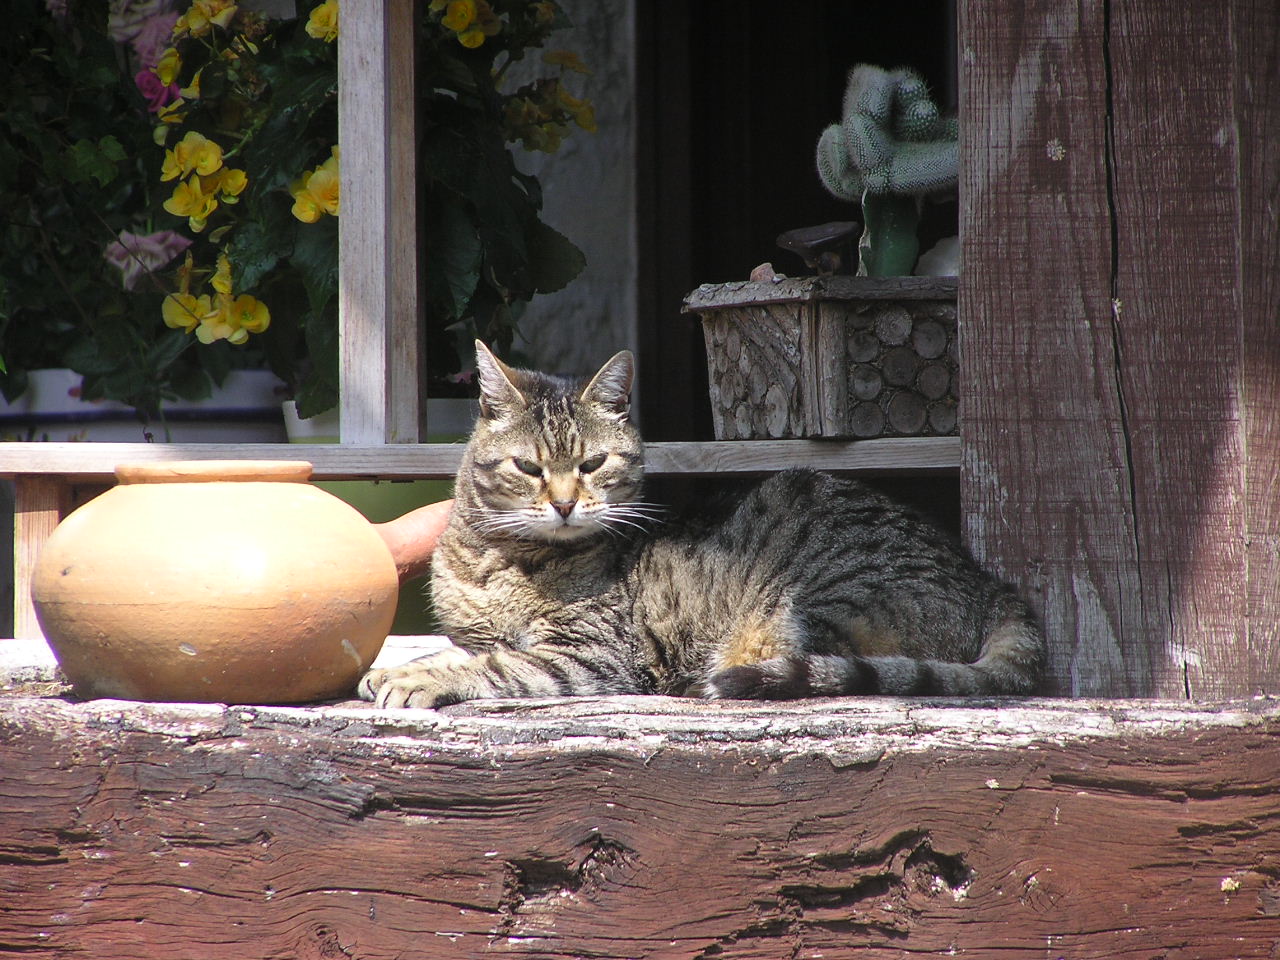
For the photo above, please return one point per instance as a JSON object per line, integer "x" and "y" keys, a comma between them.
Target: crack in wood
{"x": 534, "y": 888}
{"x": 876, "y": 893}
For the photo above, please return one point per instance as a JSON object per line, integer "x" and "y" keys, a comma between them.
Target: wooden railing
{"x": 45, "y": 474}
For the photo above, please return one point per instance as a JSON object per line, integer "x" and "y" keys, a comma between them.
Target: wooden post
{"x": 1119, "y": 322}
{"x": 39, "y": 502}
{"x": 381, "y": 347}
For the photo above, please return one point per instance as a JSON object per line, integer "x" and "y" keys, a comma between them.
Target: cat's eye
{"x": 529, "y": 467}
{"x": 593, "y": 464}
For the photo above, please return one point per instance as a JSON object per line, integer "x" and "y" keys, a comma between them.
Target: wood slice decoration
{"x": 907, "y": 414}
{"x": 893, "y": 325}
{"x": 864, "y": 347}
{"x": 934, "y": 380}
{"x": 830, "y": 357}
{"x": 865, "y": 381}
{"x": 866, "y": 419}
{"x": 929, "y": 339}
{"x": 900, "y": 365}
{"x": 942, "y": 417}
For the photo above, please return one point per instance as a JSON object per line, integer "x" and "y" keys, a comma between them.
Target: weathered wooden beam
{"x": 640, "y": 827}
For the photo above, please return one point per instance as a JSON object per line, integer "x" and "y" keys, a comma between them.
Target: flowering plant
{"x": 203, "y": 141}
{"x": 79, "y": 237}
{"x": 251, "y": 156}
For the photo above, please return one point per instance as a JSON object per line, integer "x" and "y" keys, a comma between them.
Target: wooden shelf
{"x": 96, "y": 462}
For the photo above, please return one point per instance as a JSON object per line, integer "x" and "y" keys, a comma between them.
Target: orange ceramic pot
{"x": 215, "y": 581}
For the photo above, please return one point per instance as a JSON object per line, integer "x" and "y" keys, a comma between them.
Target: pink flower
{"x": 135, "y": 255}
{"x": 153, "y": 37}
{"x": 126, "y": 17}
{"x": 157, "y": 94}
{"x": 146, "y": 24}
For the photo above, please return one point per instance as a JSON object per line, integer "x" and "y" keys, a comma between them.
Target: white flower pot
{"x": 245, "y": 409}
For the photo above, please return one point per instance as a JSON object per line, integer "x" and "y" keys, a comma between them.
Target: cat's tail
{"x": 1011, "y": 662}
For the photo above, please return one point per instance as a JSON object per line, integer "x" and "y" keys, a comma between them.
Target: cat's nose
{"x": 564, "y": 507}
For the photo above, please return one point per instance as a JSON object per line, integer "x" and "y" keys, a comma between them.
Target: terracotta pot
{"x": 215, "y": 581}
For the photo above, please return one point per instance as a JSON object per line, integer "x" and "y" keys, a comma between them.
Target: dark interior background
{"x": 732, "y": 97}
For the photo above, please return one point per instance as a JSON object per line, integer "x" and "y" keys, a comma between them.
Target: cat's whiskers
{"x": 507, "y": 521}
{"x": 634, "y": 515}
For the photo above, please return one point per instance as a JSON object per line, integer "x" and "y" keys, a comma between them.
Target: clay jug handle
{"x": 411, "y": 538}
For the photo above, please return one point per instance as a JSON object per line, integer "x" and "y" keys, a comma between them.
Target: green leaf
{"x": 255, "y": 248}
{"x": 162, "y": 354}
{"x": 553, "y": 259}
{"x": 296, "y": 134}
{"x": 318, "y": 392}
{"x": 87, "y": 356}
{"x": 315, "y": 254}
{"x": 87, "y": 160}
{"x": 453, "y": 257}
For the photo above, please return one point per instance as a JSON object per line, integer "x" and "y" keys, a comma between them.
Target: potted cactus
{"x": 834, "y": 355}
{"x": 890, "y": 150}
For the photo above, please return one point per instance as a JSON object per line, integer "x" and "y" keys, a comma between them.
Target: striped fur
{"x": 558, "y": 579}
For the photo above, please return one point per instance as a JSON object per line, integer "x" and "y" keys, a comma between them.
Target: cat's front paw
{"x": 419, "y": 683}
{"x": 412, "y": 685}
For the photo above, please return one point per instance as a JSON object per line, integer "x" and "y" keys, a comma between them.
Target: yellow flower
{"x": 250, "y": 314}
{"x": 566, "y": 59}
{"x": 206, "y": 156}
{"x": 545, "y": 12}
{"x": 182, "y": 311}
{"x": 584, "y": 114}
{"x": 190, "y": 201}
{"x": 170, "y": 169}
{"x": 231, "y": 184}
{"x": 218, "y": 324}
{"x": 233, "y": 319}
{"x": 221, "y": 279}
{"x": 192, "y": 90}
{"x": 459, "y": 15}
{"x": 585, "y": 117}
{"x": 168, "y": 66}
{"x": 194, "y": 152}
{"x": 173, "y": 112}
{"x": 184, "y": 274}
{"x": 335, "y": 156}
{"x": 318, "y": 192}
{"x": 305, "y": 207}
{"x": 323, "y": 185}
{"x": 323, "y": 22}
{"x": 202, "y": 16}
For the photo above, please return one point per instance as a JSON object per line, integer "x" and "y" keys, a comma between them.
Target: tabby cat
{"x": 554, "y": 577}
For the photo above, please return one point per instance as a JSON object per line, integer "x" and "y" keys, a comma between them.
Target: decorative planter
{"x": 244, "y": 409}
{"x": 847, "y": 357}
{"x": 215, "y": 581}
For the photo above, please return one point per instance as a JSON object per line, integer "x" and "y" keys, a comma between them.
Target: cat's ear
{"x": 611, "y": 387}
{"x": 499, "y": 397}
